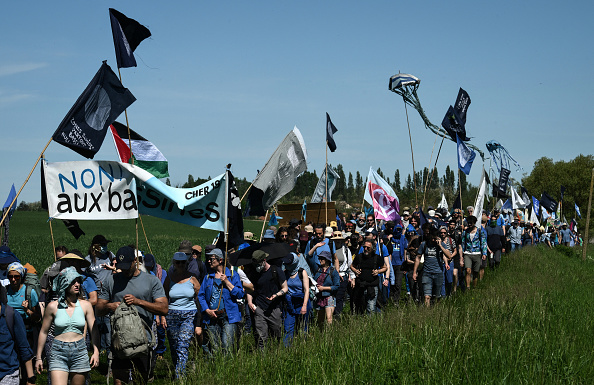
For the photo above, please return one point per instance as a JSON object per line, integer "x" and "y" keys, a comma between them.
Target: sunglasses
{"x": 366, "y": 247}
{"x": 15, "y": 277}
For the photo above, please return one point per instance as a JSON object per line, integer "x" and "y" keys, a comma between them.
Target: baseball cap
{"x": 125, "y": 256}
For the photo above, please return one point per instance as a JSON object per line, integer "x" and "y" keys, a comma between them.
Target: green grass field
{"x": 528, "y": 323}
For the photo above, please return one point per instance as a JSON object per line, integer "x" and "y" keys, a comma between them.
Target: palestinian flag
{"x": 146, "y": 155}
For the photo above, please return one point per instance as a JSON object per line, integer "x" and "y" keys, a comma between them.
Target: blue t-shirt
{"x": 431, "y": 264}
{"x": 15, "y": 300}
{"x": 89, "y": 286}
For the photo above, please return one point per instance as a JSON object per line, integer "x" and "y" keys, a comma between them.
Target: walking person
{"x": 328, "y": 281}
{"x": 219, "y": 294}
{"x": 474, "y": 245}
{"x": 132, "y": 287}
{"x": 181, "y": 288}
{"x": 298, "y": 306}
{"x": 72, "y": 317}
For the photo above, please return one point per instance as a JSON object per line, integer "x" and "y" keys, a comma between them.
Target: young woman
{"x": 181, "y": 288}
{"x": 72, "y": 317}
{"x": 298, "y": 305}
{"x": 328, "y": 281}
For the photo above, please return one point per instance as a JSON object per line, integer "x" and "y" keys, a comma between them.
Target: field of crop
{"x": 530, "y": 322}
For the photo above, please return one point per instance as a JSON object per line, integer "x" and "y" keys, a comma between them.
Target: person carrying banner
{"x": 218, "y": 296}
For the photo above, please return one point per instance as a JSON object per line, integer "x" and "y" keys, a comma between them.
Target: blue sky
{"x": 224, "y": 82}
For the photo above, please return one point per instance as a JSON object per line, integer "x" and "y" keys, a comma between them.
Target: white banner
{"x": 95, "y": 190}
{"x": 90, "y": 190}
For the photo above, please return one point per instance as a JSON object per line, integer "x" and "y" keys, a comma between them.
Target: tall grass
{"x": 530, "y": 322}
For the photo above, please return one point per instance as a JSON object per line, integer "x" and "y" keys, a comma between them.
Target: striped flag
{"x": 146, "y": 154}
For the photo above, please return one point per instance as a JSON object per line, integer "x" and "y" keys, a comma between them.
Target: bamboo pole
{"x": 145, "y": 237}
{"x": 246, "y": 191}
{"x": 26, "y": 180}
{"x": 226, "y": 216}
{"x": 585, "y": 246}
{"x": 263, "y": 225}
{"x": 132, "y": 162}
{"x": 434, "y": 167}
{"x": 411, "y": 153}
{"x": 427, "y": 179}
{"x": 461, "y": 206}
{"x": 53, "y": 243}
{"x": 326, "y": 200}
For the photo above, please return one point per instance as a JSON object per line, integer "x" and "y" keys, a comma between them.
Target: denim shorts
{"x": 69, "y": 357}
{"x": 432, "y": 284}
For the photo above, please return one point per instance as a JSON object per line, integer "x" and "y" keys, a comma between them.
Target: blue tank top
{"x": 181, "y": 296}
{"x": 63, "y": 323}
{"x": 295, "y": 285}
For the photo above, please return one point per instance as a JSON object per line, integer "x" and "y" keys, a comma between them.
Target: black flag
{"x": 330, "y": 131}
{"x": 84, "y": 127}
{"x": 462, "y": 104}
{"x": 548, "y": 202}
{"x": 562, "y": 192}
{"x": 127, "y": 34}
{"x": 454, "y": 125}
{"x": 73, "y": 227}
{"x": 235, "y": 228}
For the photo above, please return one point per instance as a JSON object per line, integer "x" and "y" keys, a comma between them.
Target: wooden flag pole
{"x": 461, "y": 206}
{"x": 326, "y": 200}
{"x": 246, "y": 191}
{"x": 263, "y": 225}
{"x": 412, "y": 153}
{"x": 427, "y": 178}
{"x": 226, "y": 215}
{"x": 434, "y": 167}
{"x": 53, "y": 243}
{"x": 145, "y": 237}
{"x": 26, "y": 180}
{"x": 131, "y": 160}
{"x": 585, "y": 246}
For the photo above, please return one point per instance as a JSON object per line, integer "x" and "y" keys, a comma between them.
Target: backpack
{"x": 32, "y": 283}
{"x": 128, "y": 335}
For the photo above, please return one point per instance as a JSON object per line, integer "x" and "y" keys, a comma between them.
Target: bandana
{"x": 15, "y": 266}
{"x": 62, "y": 281}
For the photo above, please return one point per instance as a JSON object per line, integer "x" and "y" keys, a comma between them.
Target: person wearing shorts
{"x": 72, "y": 316}
{"x": 327, "y": 281}
{"x": 436, "y": 254}
{"x": 474, "y": 245}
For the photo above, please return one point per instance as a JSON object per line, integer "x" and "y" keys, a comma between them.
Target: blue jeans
{"x": 516, "y": 246}
{"x": 221, "y": 335}
{"x": 294, "y": 322}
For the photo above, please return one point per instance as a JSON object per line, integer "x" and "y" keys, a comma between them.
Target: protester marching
{"x": 116, "y": 304}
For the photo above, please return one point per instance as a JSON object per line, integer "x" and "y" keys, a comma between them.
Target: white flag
{"x": 480, "y": 198}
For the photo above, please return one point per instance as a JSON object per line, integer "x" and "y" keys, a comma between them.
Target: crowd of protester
{"x": 127, "y": 307}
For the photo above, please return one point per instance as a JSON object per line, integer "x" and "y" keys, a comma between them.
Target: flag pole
{"x": 461, "y": 206}
{"x": 326, "y": 200}
{"x": 585, "y": 246}
{"x": 26, "y": 180}
{"x": 226, "y": 214}
{"x": 145, "y": 237}
{"x": 53, "y": 243}
{"x": 411, "y": 153}
{"x": 263, "y": 225}
{"x": 427, "y": 178}
{"x": 434, "y": 167}
{"x": 131, "y": 160}
{"x": 246, "y": 191}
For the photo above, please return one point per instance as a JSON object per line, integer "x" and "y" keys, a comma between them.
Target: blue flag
{"x": 9, "y": 200}
{"x": 304, "y": 209}
{"x": 536, "y": 206}
{"x": 507, "y": 205}
{"x": 465, "y": 156}
{"x": 577, "y": 209}
{"x": 369, "y": 211}
{"x": 273, "y": 221}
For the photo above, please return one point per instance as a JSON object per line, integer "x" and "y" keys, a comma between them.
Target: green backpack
{"x": 32, "y": 283}
{"x": 128, "y": 335}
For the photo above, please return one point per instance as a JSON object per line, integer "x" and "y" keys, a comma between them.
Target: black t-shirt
{"x": 266, "y": 286}
{"x": 367, "y": 265}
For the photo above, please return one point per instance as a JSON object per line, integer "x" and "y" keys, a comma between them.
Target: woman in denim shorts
{"x": 68, "y": 360}
{"x": 327, "y": 282}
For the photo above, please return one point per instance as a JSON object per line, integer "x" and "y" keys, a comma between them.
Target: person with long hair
{"x": 181, "y": 288}
{"x": 68, "y": 361}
